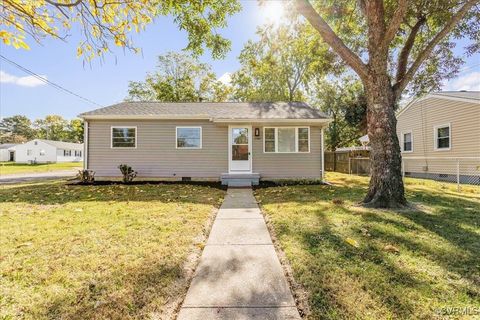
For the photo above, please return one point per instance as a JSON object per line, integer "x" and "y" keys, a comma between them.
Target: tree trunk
{"x": 386, "y": 185}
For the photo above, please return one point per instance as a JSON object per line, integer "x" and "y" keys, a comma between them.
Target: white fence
{"x": 459, "y": 170}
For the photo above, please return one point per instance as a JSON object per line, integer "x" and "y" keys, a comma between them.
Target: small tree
{"x": 86, "y": 176}
{"x": 128, "y": 173}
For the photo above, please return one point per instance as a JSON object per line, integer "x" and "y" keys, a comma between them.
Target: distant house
{"x": 7, "y": 152}
{"x": 238, "y": 143}
{"x": 48, "y": 151}
{"x": 439, "y": 136}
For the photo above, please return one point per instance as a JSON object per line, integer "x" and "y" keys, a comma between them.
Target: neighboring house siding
{"x": 421, "y": 118}
{"x": 288, "y": 165}
{"x": 21, "y": 155}
{"x": 156, "y": 155}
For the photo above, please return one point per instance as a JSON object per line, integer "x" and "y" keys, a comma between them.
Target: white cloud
{"x": 27, "y": 81}
{"x": 469, "y": 82}
{"x": 226, "y": 78}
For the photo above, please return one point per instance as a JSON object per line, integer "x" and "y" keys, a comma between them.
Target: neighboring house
{"x": 238, "y": 143}
{"x": 7, "y": 152}
{"x": 440, "y": 136}
{"x": 48, "y": 151}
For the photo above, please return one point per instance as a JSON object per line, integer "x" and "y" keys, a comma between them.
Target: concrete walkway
{"x": 239, "y": 275}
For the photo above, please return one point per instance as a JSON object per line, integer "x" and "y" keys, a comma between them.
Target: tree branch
{"x": 400, "y": 86}
{"x": 395, "y": 23}
{"x": 407, "y": 47}
{"x": 329, "y": 36}
{"x": 58, "y": 4}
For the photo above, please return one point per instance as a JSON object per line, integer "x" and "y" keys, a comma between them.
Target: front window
{"x": 29, "y": 152}
{"x": 442, "y": 137}
{"x": 124, "y": 137}
{"x": 287, "y": 139}
{"x": 78, "y": 153}
{"x": 67, "y": 153}
{"x": 42, "y": 152}
{"x": 189, "y": 137}
{"x": 407, "y": 142}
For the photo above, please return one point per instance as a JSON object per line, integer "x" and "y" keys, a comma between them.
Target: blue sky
{"x": 106, "y": 82}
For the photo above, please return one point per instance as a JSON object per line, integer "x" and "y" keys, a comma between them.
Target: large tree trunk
{"x": 386, "y": 185}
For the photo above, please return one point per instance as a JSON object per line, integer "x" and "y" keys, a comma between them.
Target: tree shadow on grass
{"x": 61, "y": 193}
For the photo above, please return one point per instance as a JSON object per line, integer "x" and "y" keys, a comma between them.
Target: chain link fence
{"x": 459, "y": 170}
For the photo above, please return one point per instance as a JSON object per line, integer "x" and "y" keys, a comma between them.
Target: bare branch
{"x": 403, "y": 82}
{"x": 407, "y": 48}
{"x": 58, "y": 4}
{"x": 329, "y": 36}
{"x": 395, "y": 22}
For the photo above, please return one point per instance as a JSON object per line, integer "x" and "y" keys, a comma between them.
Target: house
{"x": 7, "y": 152}
{"x": 48, "y": 151}
{"x": 238, "y": 143}
{"x": 440, "y": 136}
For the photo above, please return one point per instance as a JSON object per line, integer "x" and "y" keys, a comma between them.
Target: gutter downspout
{"x": 85, "y": 145}
{"x": 322, "y": 156}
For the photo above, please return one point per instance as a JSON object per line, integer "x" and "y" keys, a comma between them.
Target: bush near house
{"x": 98, "y": 252}
{"x": 358, "y": 263}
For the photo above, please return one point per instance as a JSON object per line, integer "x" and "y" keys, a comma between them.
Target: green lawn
{"x": 98, "y": 252}
{"x": 345, "y": 256}
{"x": 7, "y": 168}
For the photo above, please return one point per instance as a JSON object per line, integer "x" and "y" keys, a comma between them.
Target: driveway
{"x": 24, "y": 177}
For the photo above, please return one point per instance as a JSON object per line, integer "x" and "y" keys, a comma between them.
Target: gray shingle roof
{"x": 7, "y": 145}
{"x": 213, "y": 110}
{"x": 63, "y": 145}
{"x": 474, "y": 95}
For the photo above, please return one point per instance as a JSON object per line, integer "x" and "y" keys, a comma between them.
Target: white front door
{"x": 240, "y": 149}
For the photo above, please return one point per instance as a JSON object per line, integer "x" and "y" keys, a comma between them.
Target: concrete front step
{"x": 240, "y": 179}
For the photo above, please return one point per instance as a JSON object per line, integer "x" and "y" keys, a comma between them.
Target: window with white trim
{"x": 189, "y": 137}
{"x": 286, "y": 139}
{"x": 67, "y": 153}
{"x": 442, "y": 137}
{"x": 29, "y": 152}
{"x": 42, "y": 152}
{"x": 78, "y": 153}
{"x": 407, "y": 142}
{"x": 124, "y": 137}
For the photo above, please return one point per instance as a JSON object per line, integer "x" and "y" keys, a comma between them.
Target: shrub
{"x": 86, "y": 176}
{"x": 128, "y": 173}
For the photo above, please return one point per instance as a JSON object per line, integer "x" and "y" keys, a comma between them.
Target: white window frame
{"x": 403, "y": 133}
{"x": 435, "y": 137}
{"x": 29, "y": 152}
{"x": 188, "y": 127}
{"x": 296, "y": 139}
{"x": 123, "y": 127}
{"x": 42, "y": 152}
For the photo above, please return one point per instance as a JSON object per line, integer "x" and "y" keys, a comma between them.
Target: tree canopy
{"x": 281, "y": 64}
{"x": 104, "y": 22}
{"x": 179, "y": 78}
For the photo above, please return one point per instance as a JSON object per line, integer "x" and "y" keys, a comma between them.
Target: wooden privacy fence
{"x": 352, "y": 162}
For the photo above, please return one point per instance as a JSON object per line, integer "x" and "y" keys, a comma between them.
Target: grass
{"x": 357, "y": 263}
{"x": 7, "y": 168}
{"x": 98, "y": 252}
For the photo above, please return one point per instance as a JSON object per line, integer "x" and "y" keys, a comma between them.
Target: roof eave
{"x": 143, "y": 117}
{"x": 305, "y": 120}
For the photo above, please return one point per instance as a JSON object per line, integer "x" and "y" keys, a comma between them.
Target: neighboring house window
{"x": 286, "y": 139}
{"x": 42, "y": 152}
{"x": 189, "y": 137}
{"x": 124, "y": 137}
{"x": 67, "y": 153}
{"x": 407, "y": 141}
{"x": 29, "y": 152}
{"x": 442, "y": 137}
{"x": 78, "y": 153}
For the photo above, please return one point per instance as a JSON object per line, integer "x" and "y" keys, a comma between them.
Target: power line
{"x": 56, "y": 86}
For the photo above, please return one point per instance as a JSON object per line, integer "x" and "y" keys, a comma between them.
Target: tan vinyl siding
{"x": 288, "y": 165}
{"x": 421, "y": 118}
{"x": 156, "y": 155}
